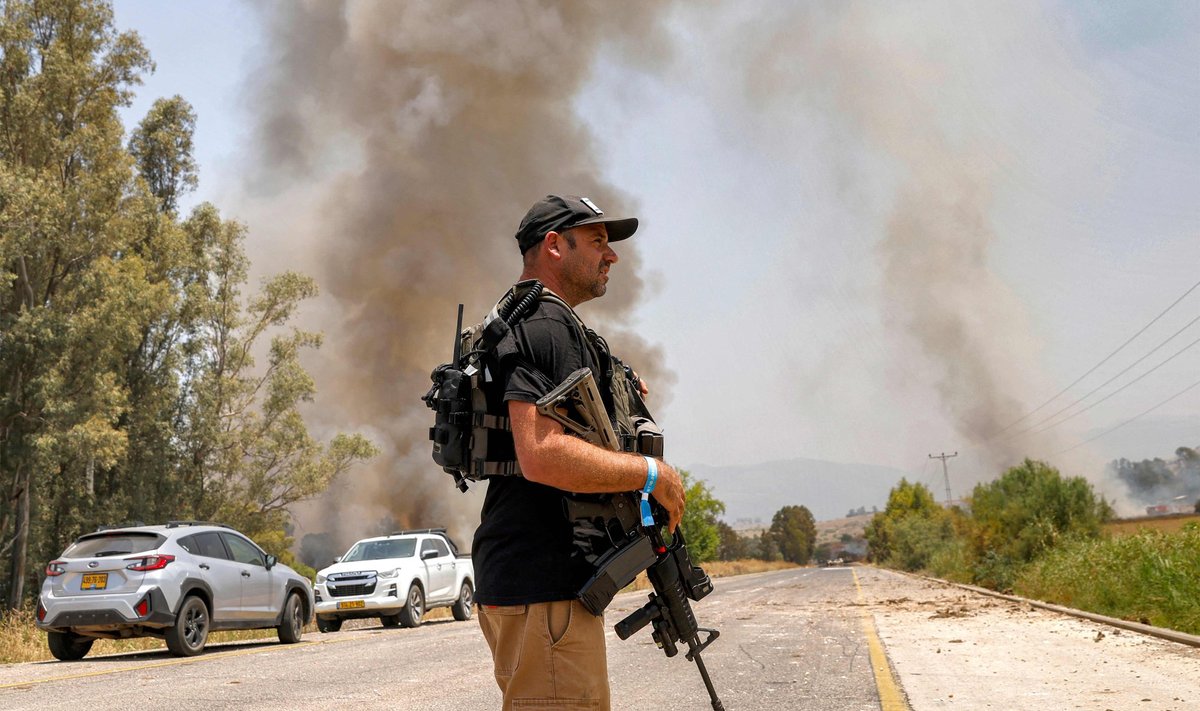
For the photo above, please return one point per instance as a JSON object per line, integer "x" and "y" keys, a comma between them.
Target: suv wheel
{"x": 463, "y": 605}
{"x": 187, "y": 636}
{"x": 67, "y": 646}
{"x": 291, "y": 623}
{"x": 411, "y": 613}
{"x": 329, "y": 624}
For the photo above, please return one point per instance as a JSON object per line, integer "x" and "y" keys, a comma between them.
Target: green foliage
{"x": 794, "y": 533}
{"x": 765, "y": 547}
{"x": 162, "y": 147}
{"x": 731, "y": 546}
{"x": 1027, "y": 511}
{"x": 917, "y": 539}
{"x": 699, "y": 524}
{"x": 905, "y": 501}
{"x": 1152, "y": 576}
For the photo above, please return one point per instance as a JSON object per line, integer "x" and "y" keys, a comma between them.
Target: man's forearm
{"x": 550, "y": 456}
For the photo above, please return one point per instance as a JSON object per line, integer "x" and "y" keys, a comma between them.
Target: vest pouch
{"x": 451, "y": 431}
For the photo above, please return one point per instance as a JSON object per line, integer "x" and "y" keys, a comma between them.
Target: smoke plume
{"x": 396, "y": 149}
{"x": 893, "y": 83}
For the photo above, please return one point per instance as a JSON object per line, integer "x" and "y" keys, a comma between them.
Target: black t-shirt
{"x": 523, "y": 551}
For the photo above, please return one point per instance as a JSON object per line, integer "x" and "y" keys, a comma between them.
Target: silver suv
{"x": 176, "y": 582}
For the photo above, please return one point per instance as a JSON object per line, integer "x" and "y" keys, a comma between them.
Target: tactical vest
{"x": 472, "y": 434}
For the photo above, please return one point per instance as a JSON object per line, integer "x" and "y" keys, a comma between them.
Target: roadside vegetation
{"x": 1036, "y": 533}
{"x": 1151, "y": 577}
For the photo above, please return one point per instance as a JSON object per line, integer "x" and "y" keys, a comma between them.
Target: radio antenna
{"x": 458, "y": 337}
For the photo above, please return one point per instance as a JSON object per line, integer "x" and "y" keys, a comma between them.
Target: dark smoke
{"x": 398, "y": 144}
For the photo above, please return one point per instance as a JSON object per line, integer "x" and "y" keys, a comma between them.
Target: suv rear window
{"x": 98, "y": 545}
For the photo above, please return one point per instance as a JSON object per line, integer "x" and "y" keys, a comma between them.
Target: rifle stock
{"x": 576, "y": 404}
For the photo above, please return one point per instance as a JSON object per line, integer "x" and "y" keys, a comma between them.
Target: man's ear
{"x": 554, "y": 242}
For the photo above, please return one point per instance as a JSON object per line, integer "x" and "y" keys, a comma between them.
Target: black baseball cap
{"x": 558, "y": 213}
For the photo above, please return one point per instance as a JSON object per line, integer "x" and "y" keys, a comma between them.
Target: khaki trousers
{"x": 548, "y": 655}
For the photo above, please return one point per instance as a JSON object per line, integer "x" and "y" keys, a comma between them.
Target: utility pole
{"x": 945, "y": 474}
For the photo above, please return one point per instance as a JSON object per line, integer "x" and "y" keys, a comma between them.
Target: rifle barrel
{"x": 712, "y": 693}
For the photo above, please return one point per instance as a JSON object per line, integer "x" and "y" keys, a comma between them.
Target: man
{"x": 548, "y": 650}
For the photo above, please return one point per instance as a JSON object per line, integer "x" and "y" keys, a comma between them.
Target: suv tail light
{"x": 55, "y": 568}
{"x": 41, "y": 612}
{"x": 149, "y": 562}
{"x": 142, "y": 608}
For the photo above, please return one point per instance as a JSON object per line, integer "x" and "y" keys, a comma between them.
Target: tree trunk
{"x": 16, "y": 592}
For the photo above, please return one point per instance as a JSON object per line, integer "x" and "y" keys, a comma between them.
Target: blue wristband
{"x": 651, "y": 480}
{"x": 651, "y": 474}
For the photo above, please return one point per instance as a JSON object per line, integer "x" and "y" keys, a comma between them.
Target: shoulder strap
{"x": 585, "y": 333}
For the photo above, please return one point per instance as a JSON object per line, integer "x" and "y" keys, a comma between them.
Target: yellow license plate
{"x": 352, "y": 605}
{"x": 94, "y": 581}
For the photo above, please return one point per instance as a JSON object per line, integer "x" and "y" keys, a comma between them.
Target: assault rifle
{"x": 576, "y": 404}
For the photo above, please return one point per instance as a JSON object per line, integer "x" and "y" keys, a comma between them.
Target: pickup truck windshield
{"x": 379, "y": 550}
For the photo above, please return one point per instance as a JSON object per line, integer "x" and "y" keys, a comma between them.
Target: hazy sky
{"x": 870, "y": 231}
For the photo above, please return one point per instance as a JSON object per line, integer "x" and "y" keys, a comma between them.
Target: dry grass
{"x": 21, "y": 641}
{"x": 1172, "y": 523}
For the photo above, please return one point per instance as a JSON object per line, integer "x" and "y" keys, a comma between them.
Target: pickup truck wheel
{"x": 67, "y": 646}
{"x": 291, "y": 623}
{"x": 411, "y": 613}
{"x": 464, "y": 605}
{"x": 390, "y": 620}
{"x": 187, "y": 636}
{"x": 329, "y": 624}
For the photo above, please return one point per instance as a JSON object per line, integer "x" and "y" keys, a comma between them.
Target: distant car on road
{"x": 396, "y": 578}
{"x": 177, "y": 582}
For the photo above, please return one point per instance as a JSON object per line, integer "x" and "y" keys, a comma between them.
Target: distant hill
{"x": 828, "y": 489}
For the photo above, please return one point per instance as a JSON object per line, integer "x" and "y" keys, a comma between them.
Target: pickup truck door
{"x": 440, "y": 568}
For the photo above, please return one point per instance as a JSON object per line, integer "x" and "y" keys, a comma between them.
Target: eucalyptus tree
{"x": 74, "y": 289}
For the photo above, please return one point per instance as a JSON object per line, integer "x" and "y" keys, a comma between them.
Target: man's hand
{"x": 642, "y": 386}
{"x": 669, "y": 493}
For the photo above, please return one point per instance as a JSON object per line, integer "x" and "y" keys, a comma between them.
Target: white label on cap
{"x": 592, "y": 205}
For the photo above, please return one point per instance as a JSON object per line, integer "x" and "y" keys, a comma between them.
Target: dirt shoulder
{"x": 953, "y": 648}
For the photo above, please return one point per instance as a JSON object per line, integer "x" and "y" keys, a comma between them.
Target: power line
{"x": 1102, "y": 362}
{"x": 1135, "y": 417}
{"x": 1093, "y": 391}
{"x": 1131, "y": 382}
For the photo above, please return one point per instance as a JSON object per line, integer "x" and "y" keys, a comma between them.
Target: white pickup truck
{"x": 395, "y": 578}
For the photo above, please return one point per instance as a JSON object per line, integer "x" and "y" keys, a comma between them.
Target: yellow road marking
{"x": 169, "y": 663}
{"x": 890, "y": 696}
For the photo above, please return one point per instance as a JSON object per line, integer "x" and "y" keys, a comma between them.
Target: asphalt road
{"x": 795, "y": 639}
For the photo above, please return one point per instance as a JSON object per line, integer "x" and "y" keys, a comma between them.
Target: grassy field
{"x": 1150, "y": 576}
{"x": 21, "y": 641}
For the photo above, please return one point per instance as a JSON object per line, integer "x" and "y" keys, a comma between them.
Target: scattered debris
{"x": 950, "y": 612}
